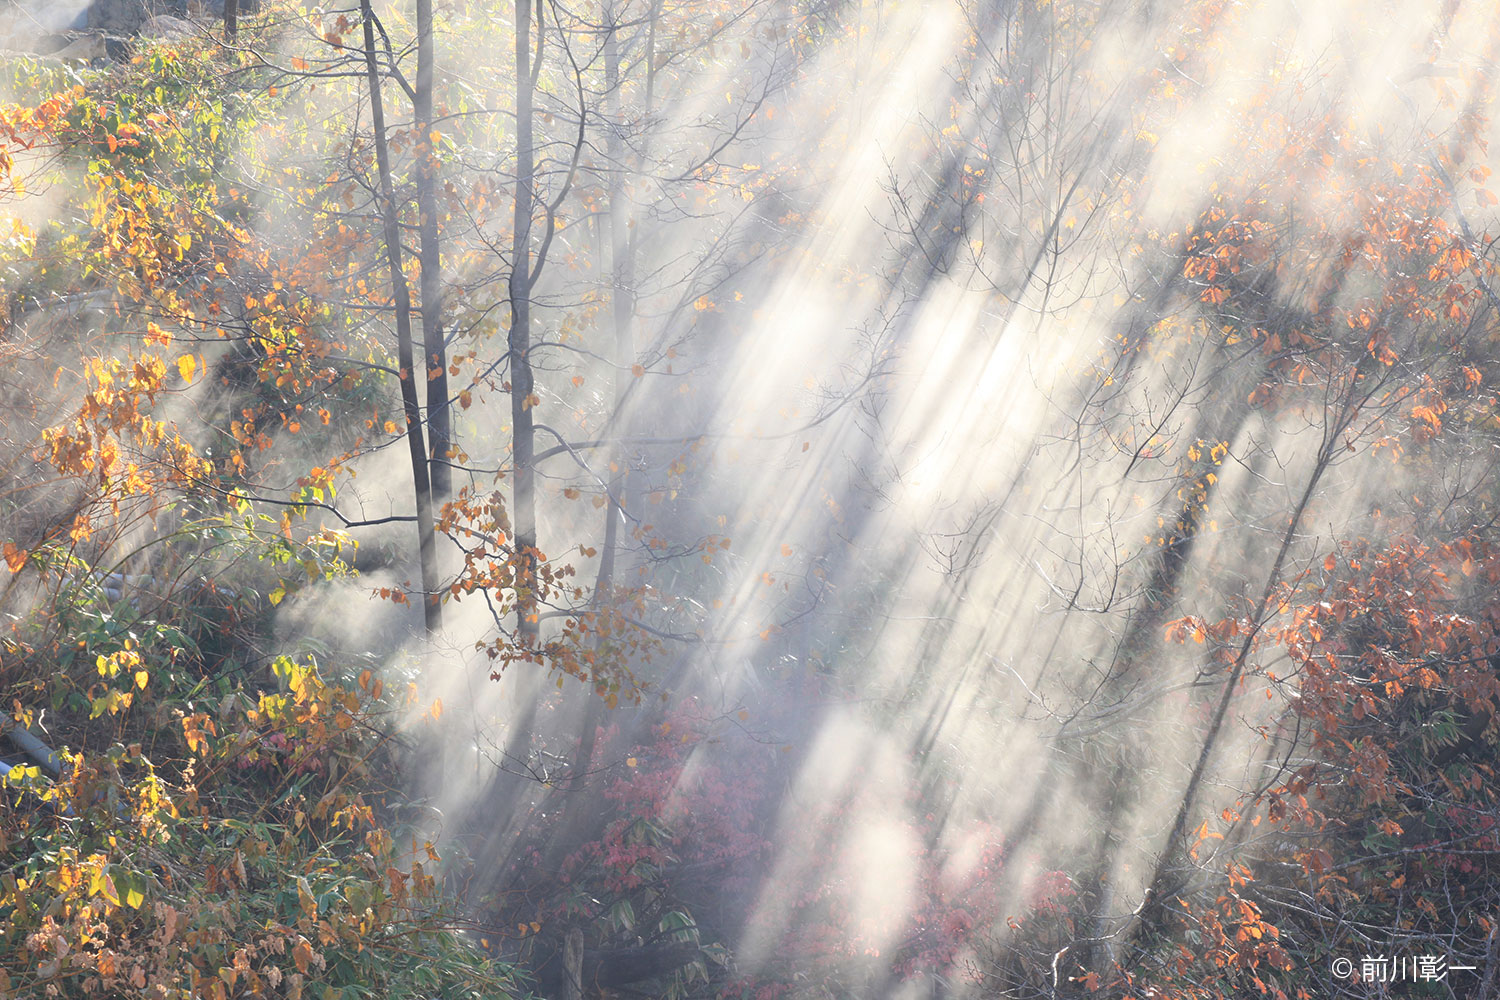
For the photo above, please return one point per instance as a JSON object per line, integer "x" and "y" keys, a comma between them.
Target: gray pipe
{"x": 36, "y": 750}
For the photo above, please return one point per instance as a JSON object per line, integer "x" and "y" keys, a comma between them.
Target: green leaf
{"x": 132, "y": 889}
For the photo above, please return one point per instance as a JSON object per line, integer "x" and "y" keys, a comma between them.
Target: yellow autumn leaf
{"x": 186, "y": 366}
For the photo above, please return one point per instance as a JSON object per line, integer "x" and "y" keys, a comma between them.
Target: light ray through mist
{"x": 947, "y": 429}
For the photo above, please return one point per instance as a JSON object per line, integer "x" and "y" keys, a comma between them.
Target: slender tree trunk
{"x": 432, "y": 608}
{"x": 522, "y": 381}
{"x": 651, "y": 54}
{"x": 572, "y": 987}
{"x": 1161, "y": 886}
{"x": 622, "y": 309}
{"x": 231, "y": 18}
{"x": 1165, "y": 878}
{"x": 439, "y": 417}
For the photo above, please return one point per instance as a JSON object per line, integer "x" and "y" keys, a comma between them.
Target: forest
{"x": 749, "y": 499}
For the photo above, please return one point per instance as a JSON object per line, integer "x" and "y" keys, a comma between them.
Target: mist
{"x": 915, "y": 468}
